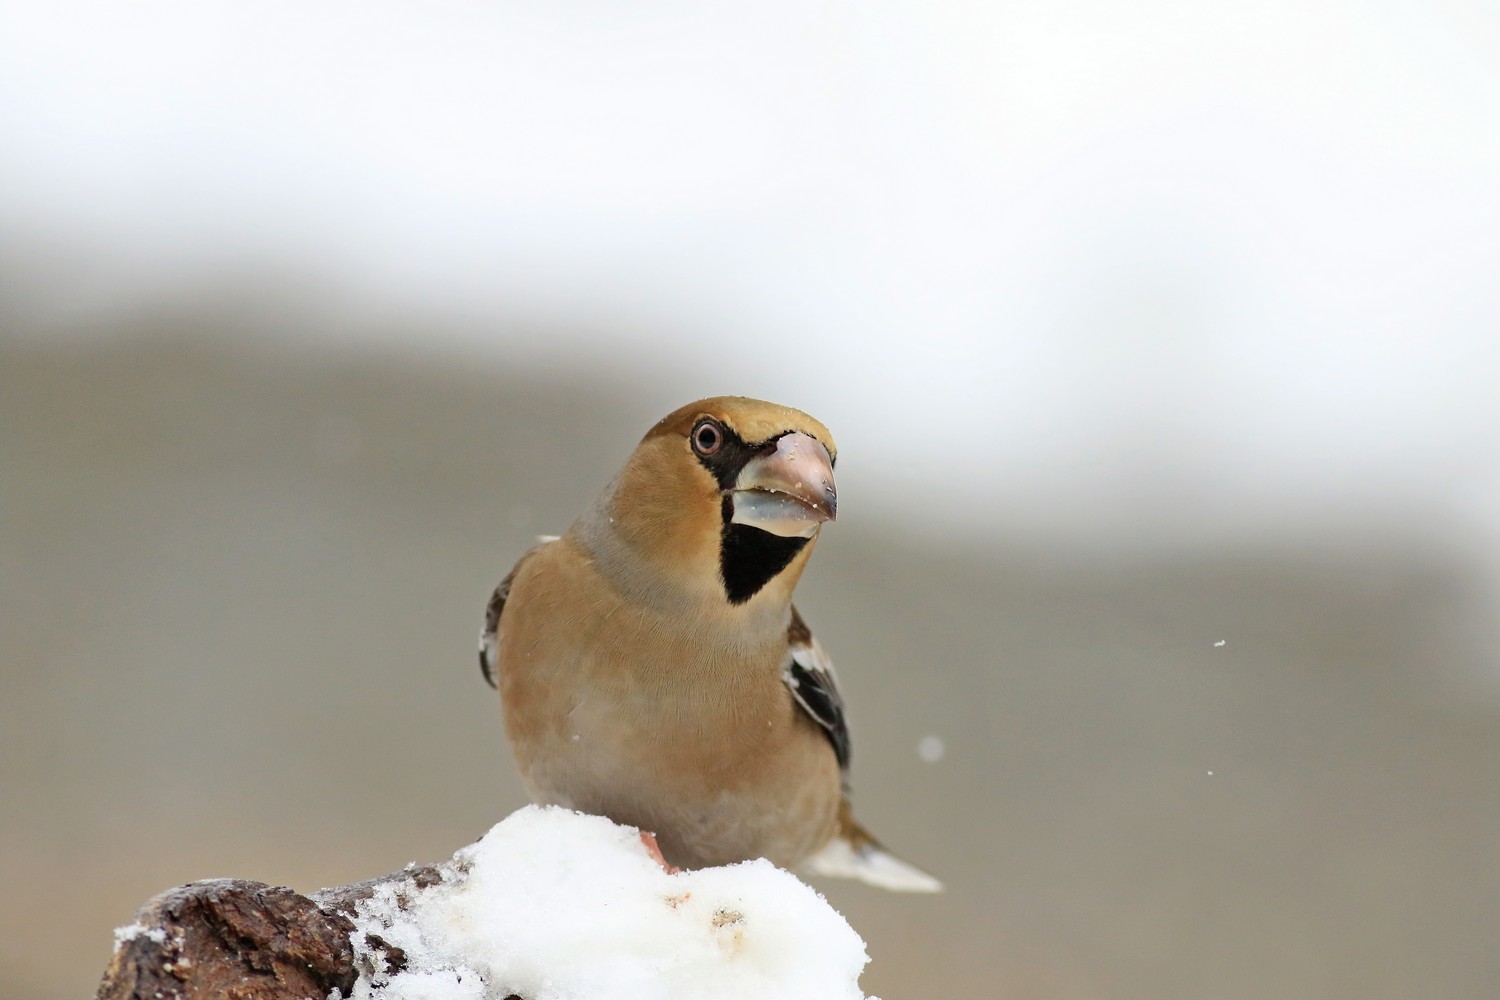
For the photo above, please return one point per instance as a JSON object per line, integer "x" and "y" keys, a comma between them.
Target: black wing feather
{"x": 810, "y": 678}
{"x": 489, "y": 638}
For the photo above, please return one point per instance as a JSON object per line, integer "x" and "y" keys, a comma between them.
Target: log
{"x": 243, "y": 940}
{"x": 548, "y": 901}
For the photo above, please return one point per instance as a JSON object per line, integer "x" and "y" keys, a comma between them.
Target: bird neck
{"x": 744, "y": 576}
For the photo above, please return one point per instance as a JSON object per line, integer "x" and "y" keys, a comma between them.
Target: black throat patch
{"x": 749, "y": 558}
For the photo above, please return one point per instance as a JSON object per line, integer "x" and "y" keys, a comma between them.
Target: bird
{"x": 653, "y": 669}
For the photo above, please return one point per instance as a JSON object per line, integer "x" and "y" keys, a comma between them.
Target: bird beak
{"x": 787, "y": 490}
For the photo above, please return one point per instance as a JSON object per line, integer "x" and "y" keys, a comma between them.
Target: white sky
{"x": 1114, "y": 271}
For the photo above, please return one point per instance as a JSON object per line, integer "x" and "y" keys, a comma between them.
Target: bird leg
{"x": 648, "y": 841}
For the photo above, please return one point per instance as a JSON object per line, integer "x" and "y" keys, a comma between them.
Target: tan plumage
{"x": 653, "y": 670}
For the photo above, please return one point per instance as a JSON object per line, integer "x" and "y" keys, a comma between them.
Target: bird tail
{"x": 854, "y": 853}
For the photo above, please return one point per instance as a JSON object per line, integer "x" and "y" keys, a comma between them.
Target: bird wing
{"x": 809, "y": 676}
{"x": 489, "y": 636}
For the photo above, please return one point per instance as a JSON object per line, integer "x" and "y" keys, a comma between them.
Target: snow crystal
{"x": 556, "y": 905}
{"x": 931, "y": 749}
{"x": 128, "y": 933}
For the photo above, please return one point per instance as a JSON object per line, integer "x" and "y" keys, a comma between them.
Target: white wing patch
{"x": 809, "y": 676}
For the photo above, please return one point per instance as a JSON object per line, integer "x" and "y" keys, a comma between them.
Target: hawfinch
{"x": 651, "y": 666}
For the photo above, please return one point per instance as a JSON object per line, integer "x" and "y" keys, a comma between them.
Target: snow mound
{"x": 556, "y": 905}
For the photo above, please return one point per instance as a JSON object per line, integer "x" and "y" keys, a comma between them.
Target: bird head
{"x": 725, "y": 493}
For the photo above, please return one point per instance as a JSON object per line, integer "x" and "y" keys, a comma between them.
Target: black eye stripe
{"x": 726, "y": 460}
{"x": 733, "y": 452}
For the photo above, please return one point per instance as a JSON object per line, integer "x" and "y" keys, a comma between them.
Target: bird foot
{"x": 648, "y": 841}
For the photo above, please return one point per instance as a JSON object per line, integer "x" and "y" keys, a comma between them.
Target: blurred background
{"x": 1161, "y": 342}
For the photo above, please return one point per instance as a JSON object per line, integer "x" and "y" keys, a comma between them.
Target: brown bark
{"x": 240, "y": 940}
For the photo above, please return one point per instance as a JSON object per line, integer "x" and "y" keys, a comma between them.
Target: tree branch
{"x": 242, "y": 940}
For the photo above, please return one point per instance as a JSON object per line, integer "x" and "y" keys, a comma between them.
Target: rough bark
{"x": 240, "y": 940}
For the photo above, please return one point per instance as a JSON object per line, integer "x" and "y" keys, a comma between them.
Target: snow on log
{"x": 549, "y": 905}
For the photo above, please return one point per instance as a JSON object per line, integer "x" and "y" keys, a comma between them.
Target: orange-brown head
{"x": 727, "y": 493}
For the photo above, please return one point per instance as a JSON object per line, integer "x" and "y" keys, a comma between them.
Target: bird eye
{"x": 707, "y": 438}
